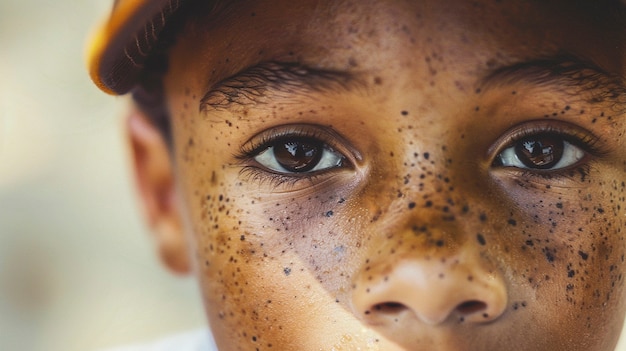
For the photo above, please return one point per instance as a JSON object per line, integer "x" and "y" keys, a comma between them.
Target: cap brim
{"x": 119, "y": 47}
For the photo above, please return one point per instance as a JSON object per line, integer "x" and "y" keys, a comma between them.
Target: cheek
{"x": 265, "y": 262}
{"x": 567, "y": 244}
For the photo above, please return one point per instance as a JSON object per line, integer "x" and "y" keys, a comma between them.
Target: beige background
{"x": 76, "y": 267}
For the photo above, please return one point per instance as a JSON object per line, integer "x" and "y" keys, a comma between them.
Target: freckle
{"x": 513, "y": 92}
{"x": 478, "y": 91}
{"x": 404, "y": 113}
{"x": 583, "y": 255}
{"x": 477, "y": 108}
{"x": 570, "y": 273}
{"x": 549, "y": 255}
{"x": 481, "y": 239}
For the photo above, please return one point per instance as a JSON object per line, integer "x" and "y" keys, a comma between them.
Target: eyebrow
{"x": 251, "y": 86}
{"x": 567, "y": 72}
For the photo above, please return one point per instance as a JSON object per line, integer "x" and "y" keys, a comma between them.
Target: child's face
{"x": 421, "y": 175}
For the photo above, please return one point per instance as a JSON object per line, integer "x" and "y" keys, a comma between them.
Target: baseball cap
{"x": 121, "y": 45}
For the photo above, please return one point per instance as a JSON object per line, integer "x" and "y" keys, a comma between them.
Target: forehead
{"x": 226, "y": 38}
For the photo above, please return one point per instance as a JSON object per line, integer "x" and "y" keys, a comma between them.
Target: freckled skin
{"x": 420, "y": 243}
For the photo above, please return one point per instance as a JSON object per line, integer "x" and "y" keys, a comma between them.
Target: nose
{"x": 433, "y": 290}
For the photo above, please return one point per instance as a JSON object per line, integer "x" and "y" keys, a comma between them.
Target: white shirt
{"x": 198, "y": 340}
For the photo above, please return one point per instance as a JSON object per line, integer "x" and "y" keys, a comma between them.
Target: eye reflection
{"x": 298, "y": 155}
{"x": 540, "y": 152}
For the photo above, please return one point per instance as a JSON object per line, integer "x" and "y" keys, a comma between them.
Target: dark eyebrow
{"x": 250, "y": 87}
{"x": 569, "y": 73}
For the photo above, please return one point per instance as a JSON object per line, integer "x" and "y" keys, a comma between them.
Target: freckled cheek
{"x": 571, "y": 244}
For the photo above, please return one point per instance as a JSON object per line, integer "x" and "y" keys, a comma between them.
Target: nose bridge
{"x": 429, "y": 269}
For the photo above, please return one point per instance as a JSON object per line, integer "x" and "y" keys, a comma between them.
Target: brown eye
{"x": 541, "y": 151}
{"x": 298, "y": 155}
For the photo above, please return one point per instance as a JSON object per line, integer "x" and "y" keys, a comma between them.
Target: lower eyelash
{"x": 572, "y": 173}
{"x": 275, "y": 180}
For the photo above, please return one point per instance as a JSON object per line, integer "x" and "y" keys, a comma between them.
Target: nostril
{"x": 471, "y": 307}
{"x": 387, "y": 308}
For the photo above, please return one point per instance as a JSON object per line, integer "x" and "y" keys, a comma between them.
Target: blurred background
{"x": 77, "y": 270}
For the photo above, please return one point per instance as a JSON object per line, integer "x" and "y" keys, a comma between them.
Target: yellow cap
{"x": 119, "y": 47}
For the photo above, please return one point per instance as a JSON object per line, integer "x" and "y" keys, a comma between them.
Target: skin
{"x": 421, "y": 239}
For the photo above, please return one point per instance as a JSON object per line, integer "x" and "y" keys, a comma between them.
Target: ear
{"x": 154, "y": 177}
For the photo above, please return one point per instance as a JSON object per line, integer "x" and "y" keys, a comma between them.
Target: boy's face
{"x": 420, "y": 175}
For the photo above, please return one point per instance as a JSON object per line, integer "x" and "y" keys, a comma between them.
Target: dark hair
{"x": 149, "y": 94}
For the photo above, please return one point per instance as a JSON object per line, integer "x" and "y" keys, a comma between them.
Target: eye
{"x": 542, "y": 151}
{"x": 292, "y": 152}
{"x": 298, "y": 155}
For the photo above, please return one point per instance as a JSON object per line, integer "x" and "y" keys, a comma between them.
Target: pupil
{"x": 298, "y": 155}
{"x": 540, "y": 152}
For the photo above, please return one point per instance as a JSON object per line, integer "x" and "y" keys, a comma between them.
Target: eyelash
{"x": 576, "y": 136}
{"x": 257, "y": 144}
